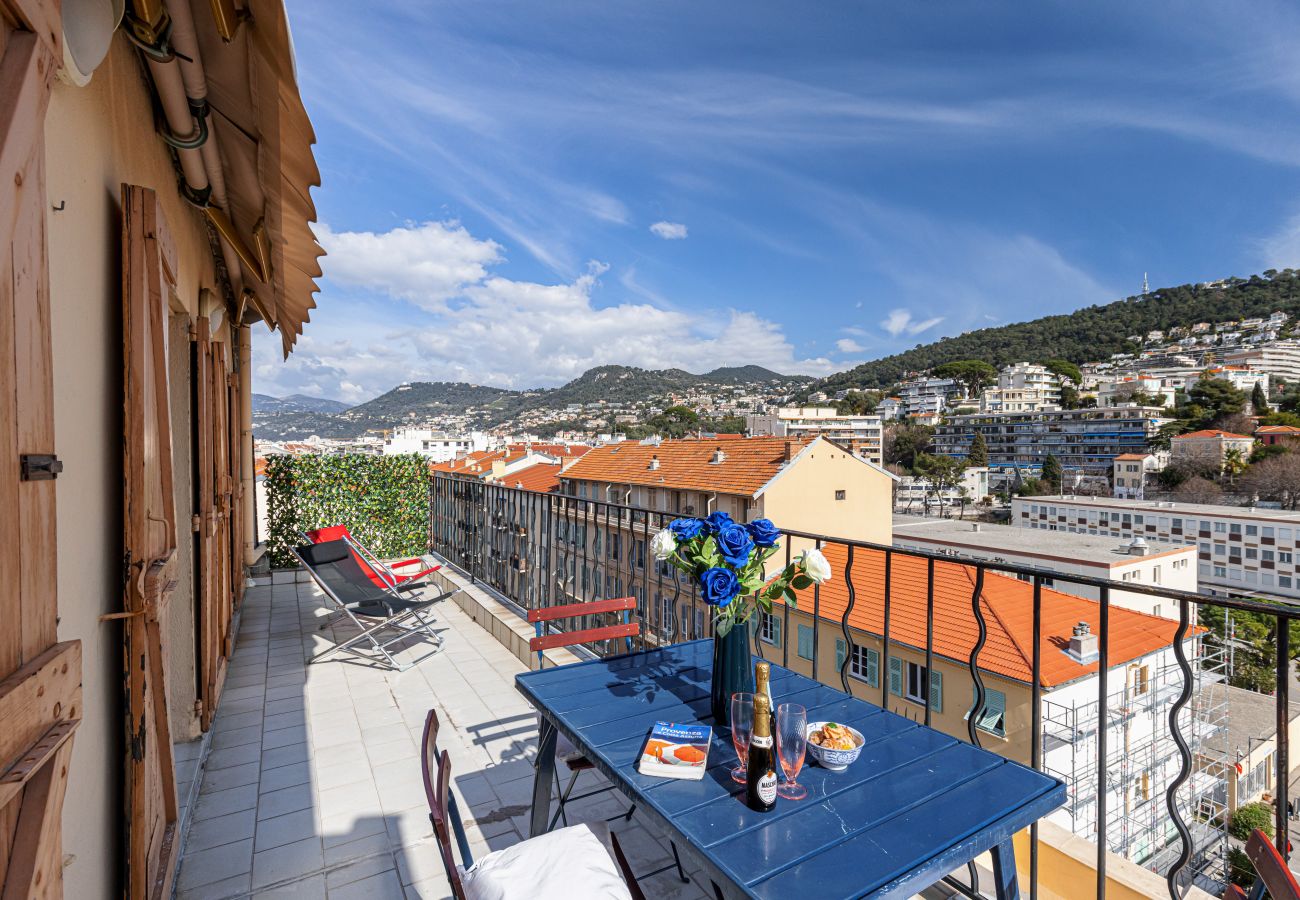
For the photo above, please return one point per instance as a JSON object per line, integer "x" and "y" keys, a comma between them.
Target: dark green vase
{"x": 733, "y": 670}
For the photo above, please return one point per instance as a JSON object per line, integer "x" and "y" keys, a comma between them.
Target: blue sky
{"x": 515, "y": 192}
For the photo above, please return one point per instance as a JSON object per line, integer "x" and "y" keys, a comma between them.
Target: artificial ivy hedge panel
{"x": 383, "y": 500}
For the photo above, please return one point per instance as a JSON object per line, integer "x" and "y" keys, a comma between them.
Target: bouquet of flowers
{"x": 726, "y": 559}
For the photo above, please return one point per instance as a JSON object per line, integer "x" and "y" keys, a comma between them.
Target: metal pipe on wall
{"x": 247, "y": 471}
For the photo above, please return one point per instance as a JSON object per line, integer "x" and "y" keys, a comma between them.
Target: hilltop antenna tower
{"x": 1146, "y": 287}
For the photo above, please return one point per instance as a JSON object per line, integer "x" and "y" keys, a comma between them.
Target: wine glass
{"x": 791, "y": 742}
{"x": 742, "y": 728}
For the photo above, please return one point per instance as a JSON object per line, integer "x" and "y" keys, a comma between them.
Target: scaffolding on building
{"x": 1142, "y": 760}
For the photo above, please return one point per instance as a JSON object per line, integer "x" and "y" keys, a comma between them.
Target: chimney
{"x": 1138, "y": 547}
{"x": 654, "y": 462}
{"x": 498, "y": 468}
{"x": 788, "y": 451}
{"x": 717, "y": 457}
{"x": 974, "y": 526}
{"x": 1083, "y": 644}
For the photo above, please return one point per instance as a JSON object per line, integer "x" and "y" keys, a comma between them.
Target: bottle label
{"x": 767, "y": 787}
{"x": 759, "y": 740}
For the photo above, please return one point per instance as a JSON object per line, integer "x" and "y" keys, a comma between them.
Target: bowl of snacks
{"x": 833, "y": 745}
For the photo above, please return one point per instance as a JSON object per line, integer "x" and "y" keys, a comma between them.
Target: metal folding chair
{"x": 384, "y": 618}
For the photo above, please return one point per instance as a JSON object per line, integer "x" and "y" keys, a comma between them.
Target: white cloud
{"x": 1281, "y": 250}
{"x": 848, "y": 345}
{"x": 487, "y": 329}
{"x": 426, "y": 263}
{"x": 669, "y": 231}
{"x": 900, "y": 321}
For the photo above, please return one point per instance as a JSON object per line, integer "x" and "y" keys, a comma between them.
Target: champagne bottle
{"x": 762, "y": 685}
{"x": 760, "y": 770}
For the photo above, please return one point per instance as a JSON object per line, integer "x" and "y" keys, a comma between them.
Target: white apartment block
{"x": 863, "y": 435}
{"x": 927, "y": 396}
{"x": 1031, "y": 377}
{"x": 436, "y": 445}
{"x": 1089, "y": 556}
{"x": 1281, "y": 359}
{"x": 1132, "y": 471}
{"x": 1240, "y": 550}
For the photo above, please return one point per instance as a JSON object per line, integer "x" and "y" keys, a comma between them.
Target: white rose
{"x": 663, "y": 544}
{"x": 815, "y": 566}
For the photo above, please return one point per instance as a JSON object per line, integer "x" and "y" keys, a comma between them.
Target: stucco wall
{"x": 802, "y": 497}
{"x": 96, "y": 138}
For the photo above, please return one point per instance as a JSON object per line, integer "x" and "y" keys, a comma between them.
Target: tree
{"x": 858, "y": 403}
{"x": 1064, "y": 370}
{"x": 1198, "y": 490}
{"x": 1276, "y": 478}
{"x": 1280, "y": 418}
{"x": 1217, "y": 397}
{"x": 1258, "y": 402}
{"x": 979, "y": 451}
{"x": 941, "y": 473}
{"x": 972, "y": 374}
{"x": 1053, "y": 473}
{"x": 1234, "y": 463}
{"x": 903, "y": 443}
{"x": 1070, "y": 397}
{"x": 1249, "y": 817}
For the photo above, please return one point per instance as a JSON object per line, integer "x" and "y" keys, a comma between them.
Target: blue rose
{"x": 735, "y": 544}
{"x": 719, "y": 586}
{"x": 686, "y": 529}
{"x": 715, "y": 520}
{"x": 763, "y": 532}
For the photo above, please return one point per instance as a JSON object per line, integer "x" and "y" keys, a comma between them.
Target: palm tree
{"x": 1234, "y": 463}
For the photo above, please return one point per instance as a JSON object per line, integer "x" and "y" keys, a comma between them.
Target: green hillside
{"x": 1089, "y": 334}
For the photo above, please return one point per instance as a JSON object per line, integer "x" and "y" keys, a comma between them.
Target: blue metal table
{"x": 916, "y": 805}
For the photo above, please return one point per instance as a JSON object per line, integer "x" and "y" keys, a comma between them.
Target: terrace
{"x": 311, "y": 786}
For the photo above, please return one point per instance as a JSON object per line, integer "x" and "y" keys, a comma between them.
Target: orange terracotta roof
{"x": 1008, "y": 611}
{"x": 544, "y": 477}
{"x": 479, "y": 460}
{"x": 1133, "y": 456}
{"x": 1211, "y": 433}
{"x": 1277, "y": 429}
{"x": 748, "y": 464}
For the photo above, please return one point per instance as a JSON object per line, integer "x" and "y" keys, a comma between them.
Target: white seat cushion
{"x": 563, "y": 865}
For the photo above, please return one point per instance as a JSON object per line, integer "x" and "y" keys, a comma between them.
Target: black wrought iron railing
{"x": 542, "y": 549}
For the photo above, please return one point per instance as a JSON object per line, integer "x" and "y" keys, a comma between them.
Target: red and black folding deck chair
{"x": 383, "y": 616}
{"x": 383, "y": 574}
{"x": 1273, "y": 877}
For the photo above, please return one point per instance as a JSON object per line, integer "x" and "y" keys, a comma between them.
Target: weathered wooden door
{"x": 40, "y": 679}
{"x": 149, "y": 529}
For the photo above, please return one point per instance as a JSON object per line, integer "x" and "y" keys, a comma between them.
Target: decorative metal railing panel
{"x": 540, "y": 549}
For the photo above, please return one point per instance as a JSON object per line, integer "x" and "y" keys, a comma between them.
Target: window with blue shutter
{"x": 896, "y": 676}
{"x": 769, "y": 629}
{"x": 936, "y": 691}
{"x": 839, "y": 654}
{"x": 993, "y": 718}
{"x": 873, "y": 668}
{"x": 806, "y": 641}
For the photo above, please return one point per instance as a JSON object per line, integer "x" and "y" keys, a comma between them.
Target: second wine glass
{"x": 742, "y": 728}
{"x": 791, "y": 742}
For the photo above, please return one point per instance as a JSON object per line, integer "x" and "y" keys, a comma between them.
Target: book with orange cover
{"x": 676, "y": 751}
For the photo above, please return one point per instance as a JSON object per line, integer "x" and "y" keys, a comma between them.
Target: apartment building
{"x": 436, "y": 445}
{"x": 862, "y": 434}
{"x": 1022, "y": 387}
{"x": 1240, "y": 550}
{"x": 926, "y": 397}
{"x": 1120, "y": 390}
{"x": 812, "y": 485}
{"x": 1122, "y": 562}
{"x": 1131, "y": 472}
{"x": 1209, "y": 446}
{"x": 1281, "y": 359}
{"x": 1143, "y": 678}
{"x": 1085, "y": 441}
{"x": 1243, "y": 756}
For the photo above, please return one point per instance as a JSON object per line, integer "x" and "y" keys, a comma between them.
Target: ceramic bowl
{"x": 834, "y": 760}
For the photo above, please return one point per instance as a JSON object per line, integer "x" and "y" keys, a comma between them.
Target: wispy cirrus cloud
{"x": 902, "y": 322}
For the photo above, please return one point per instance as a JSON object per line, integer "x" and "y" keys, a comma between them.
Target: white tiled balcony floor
{"x": 313, "y": 785}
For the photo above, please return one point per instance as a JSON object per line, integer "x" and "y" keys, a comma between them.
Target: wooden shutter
{"x": 776, "y": 631}
{"x": 149, "y": 529}
{"x": 40, "y": 679}
{"x": 896, "y": 676}
{"x": 873, "y": 667}
{"x": 805, "y": 641}
{"x": 840, "y": 653}
{"x": 936, "y": 691}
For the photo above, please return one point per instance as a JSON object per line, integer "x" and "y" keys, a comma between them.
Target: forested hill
{"x": 1092, "y": 333}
